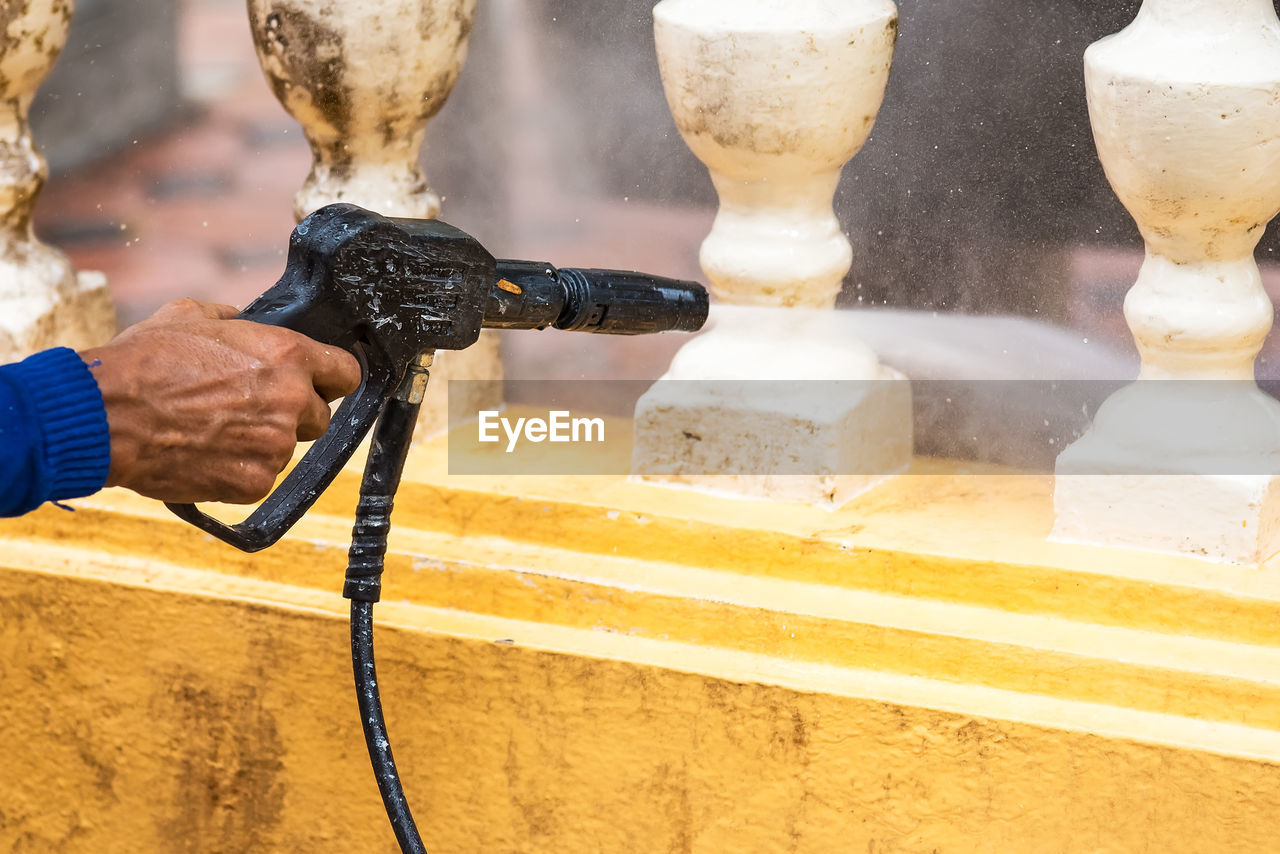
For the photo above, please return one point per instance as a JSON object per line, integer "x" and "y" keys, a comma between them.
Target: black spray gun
{"x": 392, "y": 292}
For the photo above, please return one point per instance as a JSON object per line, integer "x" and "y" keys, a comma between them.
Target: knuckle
{"x": 281, "y": 450}
{"x": 313, "y": 425}
{"x": 309, "y": 433}
{"x": 289, "y": 346}
{"x": 259, "y": 479}
{"x": 344, "y": 361}
{"x": 322, "y": 418}
{"x": 256, "y": 488}
{"x": 182, "y": 305}
{"x": 247, "y": 487}
{"x": 296, "y": 400}
{"x": 243, "y": 494}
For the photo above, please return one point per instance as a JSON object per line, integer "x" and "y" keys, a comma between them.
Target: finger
{"x": 313, "y": 421}
{"x": 218, "y": 311}
{"x": 253, "y": 483}
{"x": 334, "y": 372}
{"x": 179, "y": 309}
{"x": 191, "y": 309}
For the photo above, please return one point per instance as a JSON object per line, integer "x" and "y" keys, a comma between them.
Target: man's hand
{"x": 205, "y": 408}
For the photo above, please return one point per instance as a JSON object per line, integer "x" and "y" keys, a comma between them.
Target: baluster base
{"x": 775, "y": 403}
{"x": 1227, "y": 518}
{"x": 1179, "y": 466}
{"x": 77, "y": 312}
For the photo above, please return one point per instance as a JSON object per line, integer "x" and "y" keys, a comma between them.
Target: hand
{"x": 205, "y": 408}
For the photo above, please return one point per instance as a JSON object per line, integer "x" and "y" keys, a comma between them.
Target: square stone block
{"x": 818, "y": 442}
{"x": 1232, "y": 518}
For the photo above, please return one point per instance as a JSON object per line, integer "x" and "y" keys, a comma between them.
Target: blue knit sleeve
{"x": 54, "y": 442}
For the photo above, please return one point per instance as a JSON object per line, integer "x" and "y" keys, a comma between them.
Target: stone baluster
{"x": 775, "y": 97}
{"x": 1185, "y": 106}
{"x": 44, "y": 301}
{"x": 363, "y": 79}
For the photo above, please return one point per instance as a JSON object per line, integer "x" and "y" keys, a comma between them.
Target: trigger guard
{"x": 313, "y": 474}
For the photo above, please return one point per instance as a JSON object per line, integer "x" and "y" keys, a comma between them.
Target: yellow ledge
{"x": 588, "y": 664}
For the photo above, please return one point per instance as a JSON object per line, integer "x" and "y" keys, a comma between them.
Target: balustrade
{"x": 775, "y": 98}
{"x": 44, "y": 301}
{"x": 918, "y": 670}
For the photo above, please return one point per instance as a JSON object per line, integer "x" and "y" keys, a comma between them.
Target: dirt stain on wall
{"x": 227, "y": 791}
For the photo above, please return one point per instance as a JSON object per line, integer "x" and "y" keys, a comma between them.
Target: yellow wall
{"x": 599, "y": 666}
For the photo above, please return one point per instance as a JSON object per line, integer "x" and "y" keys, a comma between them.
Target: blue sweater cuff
{"x": 73, "y": 422}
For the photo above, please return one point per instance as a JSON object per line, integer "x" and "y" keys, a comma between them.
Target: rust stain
{"x": 427, "y": 20}
{"x": 9, "y": 12}
{"x": 464, "y": 15}
{"x": 403, "y": 116}
{"x": 227, "y": 766}
{"x": 309, "y": 55}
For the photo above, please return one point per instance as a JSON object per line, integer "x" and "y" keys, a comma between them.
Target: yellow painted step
{"x": 1167, "y": 672}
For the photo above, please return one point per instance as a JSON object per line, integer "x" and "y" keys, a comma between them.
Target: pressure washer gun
{"x": 392, "y": 292}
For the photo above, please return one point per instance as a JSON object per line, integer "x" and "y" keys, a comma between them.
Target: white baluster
{"x": 1185, "y": 105}
{"x": 363, "y": 79}
{"x": 775, "y": 97}
{"x": 43, "y": 301}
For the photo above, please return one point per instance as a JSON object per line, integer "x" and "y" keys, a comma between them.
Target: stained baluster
{"x": 45, "y": 301}
{"x": 1185, "y": 106}
{"x": 775, "y": 97}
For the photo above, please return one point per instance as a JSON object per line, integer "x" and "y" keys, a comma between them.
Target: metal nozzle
{"x": 530, "y": 295}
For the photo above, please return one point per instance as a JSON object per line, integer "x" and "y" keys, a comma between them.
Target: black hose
{"x": 375, "y": 730}
{"x": 363, "y": 587}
